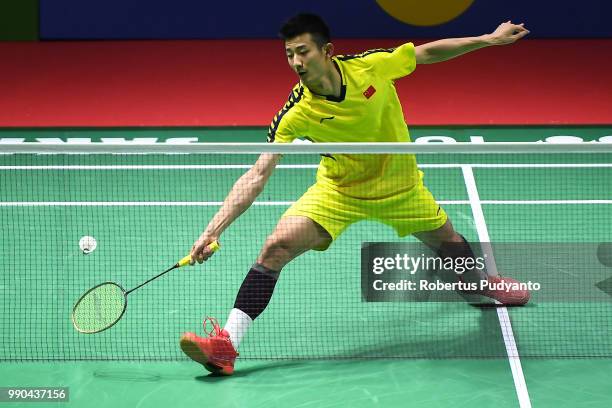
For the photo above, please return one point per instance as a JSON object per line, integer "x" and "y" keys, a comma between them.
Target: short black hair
{"x": 306, "y": 23}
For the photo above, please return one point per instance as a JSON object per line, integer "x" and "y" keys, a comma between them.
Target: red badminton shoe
{"x": 215, "y": 352}
{"x": 506, "y": 291}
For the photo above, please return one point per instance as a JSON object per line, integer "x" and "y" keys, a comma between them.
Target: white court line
{"x": 502, "y": 312}
{"x": 290, "y": 166}
{"x": 152, "y": 167}
{"x": 132, "y": 203}
{"x": 156, "y": 203}
{"x": 260, "y": 203}
{"x": 518, "y": 165}
{"x": 544, "y": 202}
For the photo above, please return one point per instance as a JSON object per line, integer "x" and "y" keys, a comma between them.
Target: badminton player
{"x": 343, "y": 98}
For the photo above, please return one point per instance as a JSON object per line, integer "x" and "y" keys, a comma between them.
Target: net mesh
{"x": 146, "y": 210}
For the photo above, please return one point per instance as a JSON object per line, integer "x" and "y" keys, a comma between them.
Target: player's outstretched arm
{"x": 443, "y": 50}
{"x": 242, "y": 195}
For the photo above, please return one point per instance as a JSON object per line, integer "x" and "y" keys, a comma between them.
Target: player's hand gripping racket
{"x": 104, "y": 305}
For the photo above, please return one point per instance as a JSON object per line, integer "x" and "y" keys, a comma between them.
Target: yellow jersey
{"x": 368, "y": 110}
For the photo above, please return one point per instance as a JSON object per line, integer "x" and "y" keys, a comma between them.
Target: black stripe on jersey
{"x": 294, "y": 98}
{"x": 364, "y": 54}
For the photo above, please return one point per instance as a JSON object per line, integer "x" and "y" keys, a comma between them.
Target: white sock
{"x": 237, "y": 325}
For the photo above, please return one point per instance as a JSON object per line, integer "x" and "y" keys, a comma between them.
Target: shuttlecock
{"x": 88, "y": 244}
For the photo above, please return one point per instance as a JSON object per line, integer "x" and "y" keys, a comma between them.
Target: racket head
{"x": 99, "y": 308}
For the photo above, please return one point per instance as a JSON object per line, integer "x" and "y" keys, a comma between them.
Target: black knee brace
{"x": 256, "y": 290}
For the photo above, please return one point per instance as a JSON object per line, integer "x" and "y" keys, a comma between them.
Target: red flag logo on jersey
{"x": 369, "y": 92}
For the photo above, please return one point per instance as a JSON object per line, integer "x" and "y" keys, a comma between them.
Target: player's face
{"x": 306, "y": 58}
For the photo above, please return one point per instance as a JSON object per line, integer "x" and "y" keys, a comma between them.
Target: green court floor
{"x": 388, "y": 383}
{"x": 306, "y": 350}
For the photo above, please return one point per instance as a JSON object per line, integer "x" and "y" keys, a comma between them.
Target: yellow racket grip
{"x": 213, "y": 246}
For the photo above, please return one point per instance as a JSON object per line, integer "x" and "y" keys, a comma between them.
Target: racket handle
{"x": 213, "y": 246}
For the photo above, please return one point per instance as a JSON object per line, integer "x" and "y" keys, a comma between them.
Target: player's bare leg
{"x": 435, "y": 238}
{"x": 292, "y": 237}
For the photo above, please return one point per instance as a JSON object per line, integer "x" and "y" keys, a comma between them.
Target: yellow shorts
{"x": 408, "y": 212}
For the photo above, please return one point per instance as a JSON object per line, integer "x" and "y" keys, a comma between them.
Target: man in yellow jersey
{"x": 344, "y": 98}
